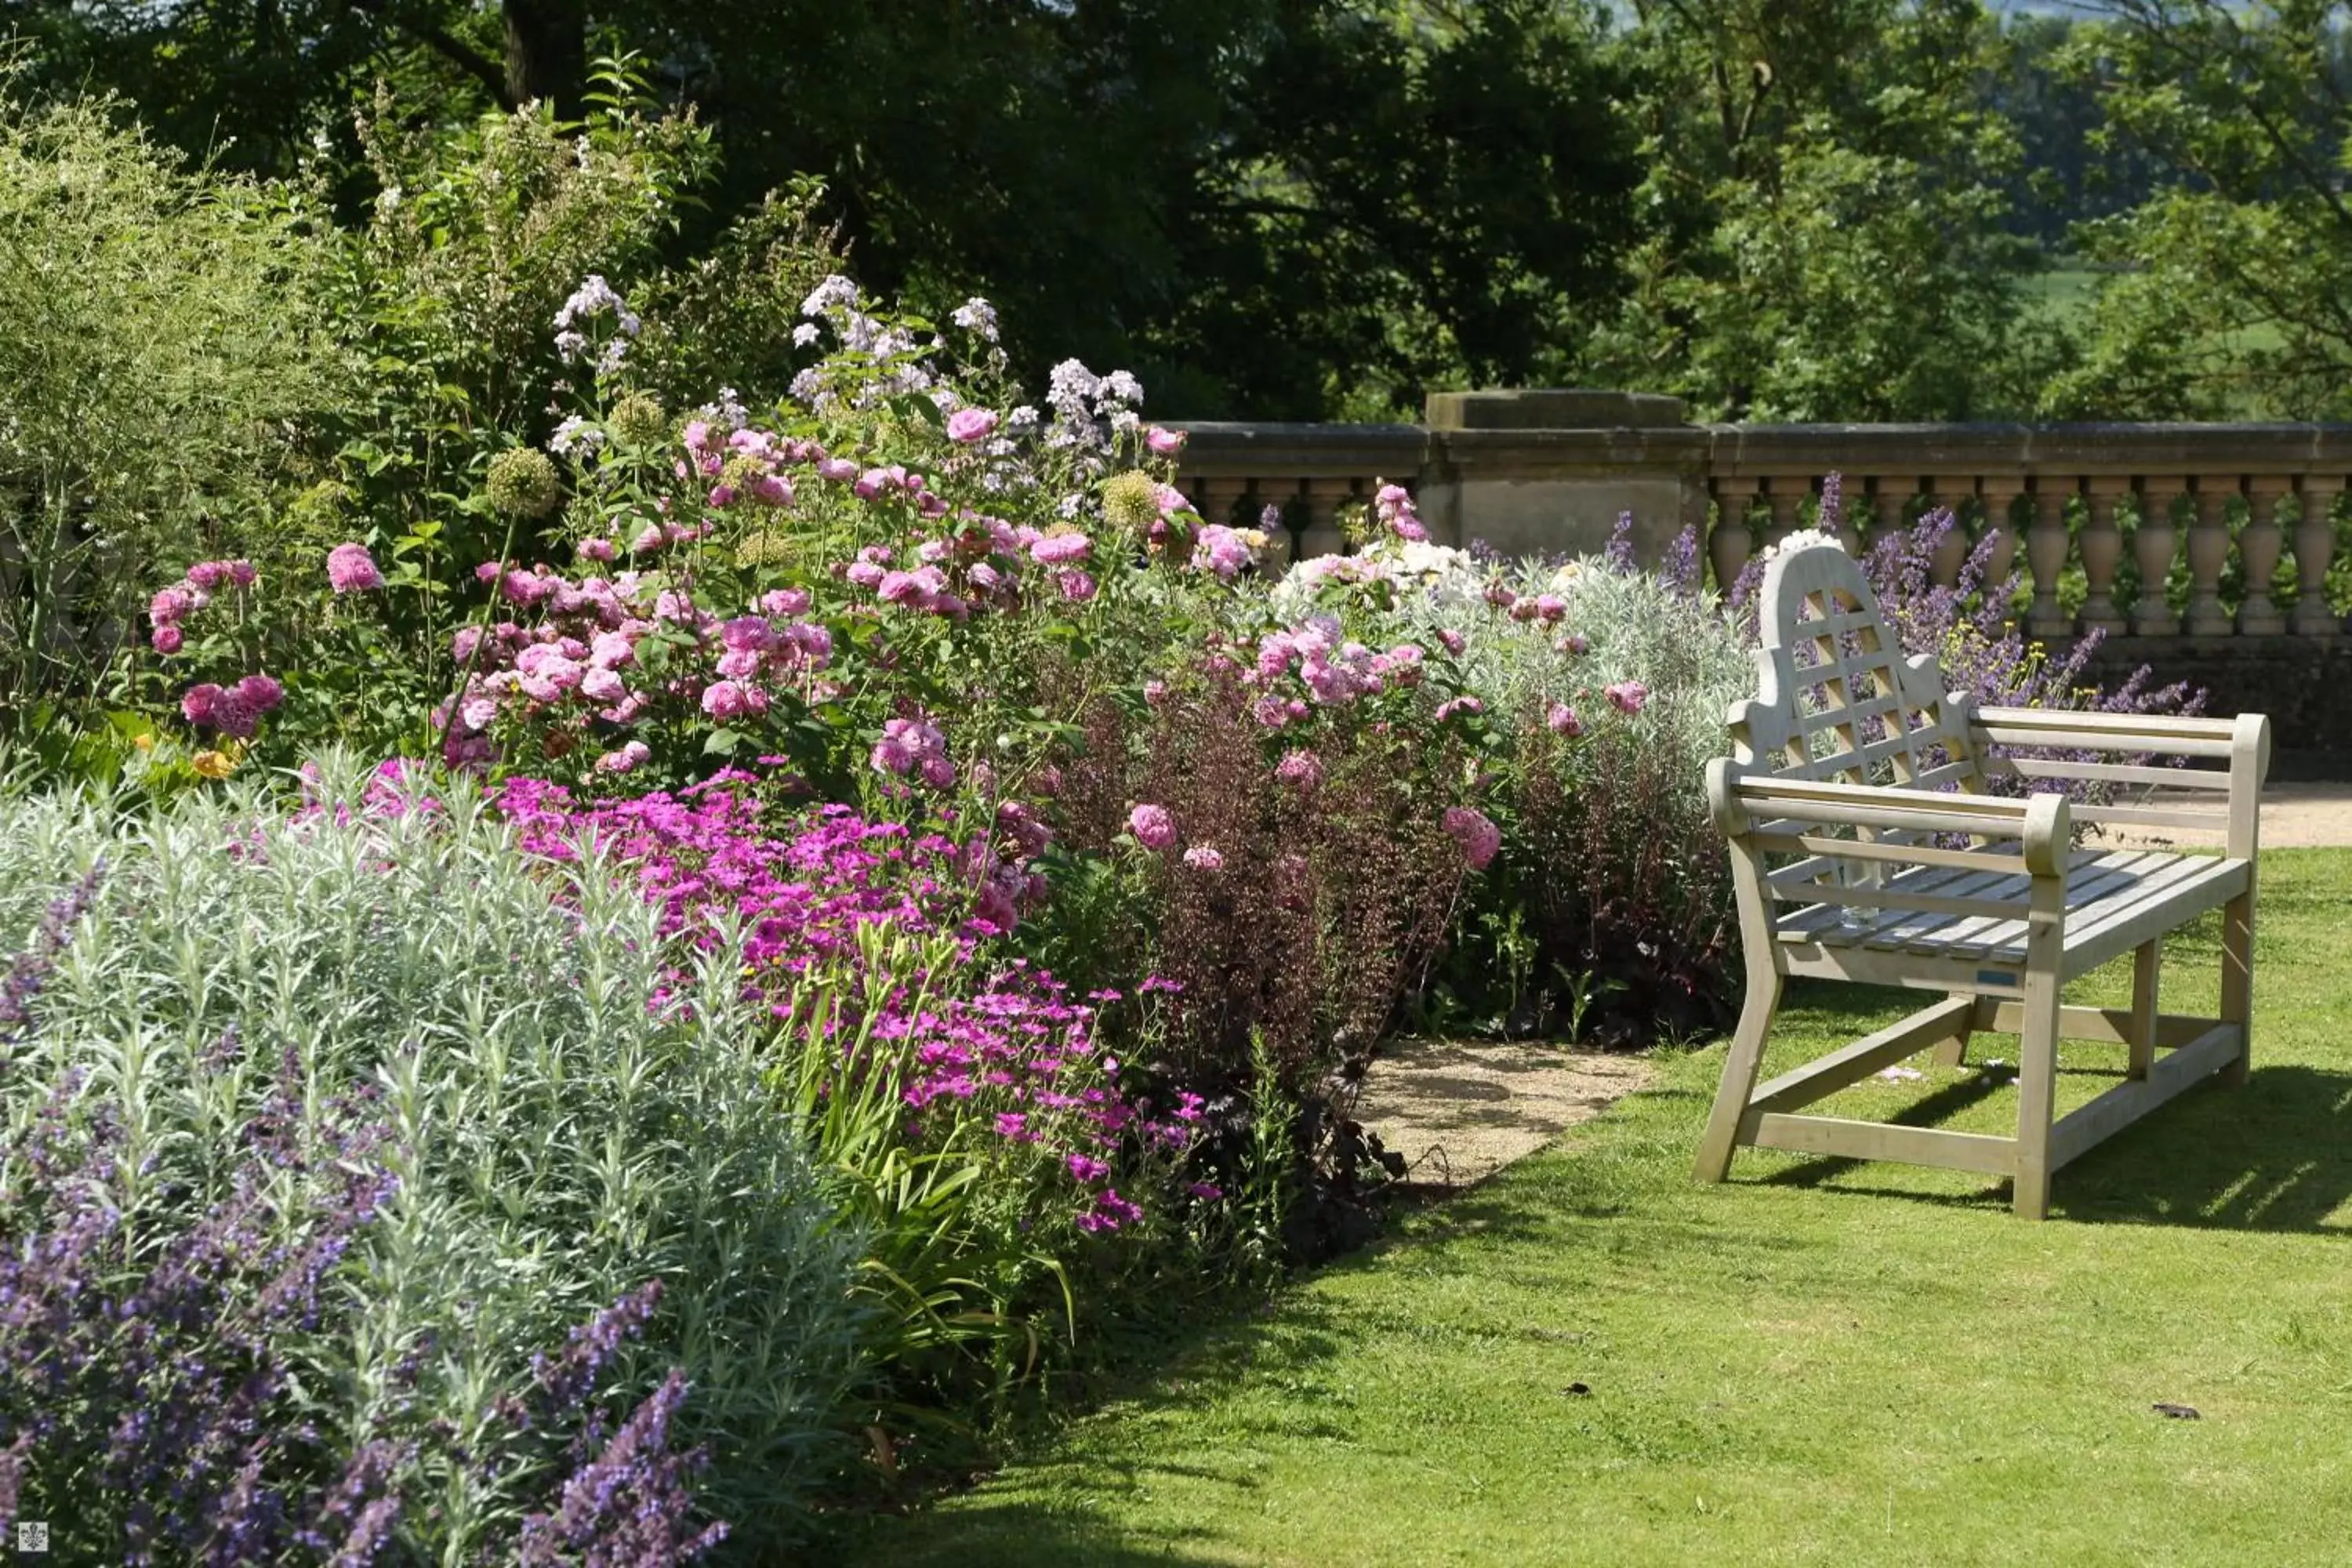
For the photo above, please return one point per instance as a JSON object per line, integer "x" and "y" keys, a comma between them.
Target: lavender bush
{"x": 377, "y": 1109}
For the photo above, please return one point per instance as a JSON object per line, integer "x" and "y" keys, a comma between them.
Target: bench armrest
{"x": 2040, "y": 822}
{"x": 2246, "y": 738}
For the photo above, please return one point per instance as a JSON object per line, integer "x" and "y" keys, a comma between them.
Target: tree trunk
{"x": 547, "y": 52}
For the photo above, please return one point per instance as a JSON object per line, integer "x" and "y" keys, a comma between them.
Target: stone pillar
{"x": 2045, "y": 552}
{"x": 2103, "y": 552}
{"x": 1323, "y": 500}
{"x": 1785, "y": 495}
{"x": 2315, "y": 546}
{"x": 1217, "y": 499}
{"x": 2257, "y": 547}
{"x": 2001, "y": 493}
{"x": 2208, "y": 552}
{"x": 1890, "y": 507}
{"x": 1729, "y": 546}
{"x": 1953, "y": 492}
{"x": 2152, "y": 547}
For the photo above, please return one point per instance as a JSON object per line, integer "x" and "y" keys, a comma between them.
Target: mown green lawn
{"x": 1819, "y": 1363}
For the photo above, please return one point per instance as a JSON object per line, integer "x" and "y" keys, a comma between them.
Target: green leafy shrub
{"x": 161, "y": 356}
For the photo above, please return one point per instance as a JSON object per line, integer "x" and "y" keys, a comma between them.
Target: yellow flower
{"x": 214, "y": 764}
{"x": 143, "y": 742}
{"x": 1253, "y": 537}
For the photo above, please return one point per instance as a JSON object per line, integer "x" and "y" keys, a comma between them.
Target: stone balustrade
{"x": 2171, "y": 512}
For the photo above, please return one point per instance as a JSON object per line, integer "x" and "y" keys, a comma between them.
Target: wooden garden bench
{"x": 1929, "y": 883}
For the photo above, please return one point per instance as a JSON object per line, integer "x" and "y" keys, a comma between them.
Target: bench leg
{"x": 2037, "y": 1089}
{"x": 1739, "y": 1084}
{"x": 1954, "y": 1052}
{"x": 2147, "y": 961}
{"x": 2238, "y": 980}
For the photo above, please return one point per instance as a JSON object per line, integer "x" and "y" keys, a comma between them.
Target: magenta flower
{"x": 1451, "y": 641}
{"x": 1204, "y": 858}
{"x": 1562, "y": 720}
{"x": 1076, "y": 586}
{"x": 594, "y": 550}
{"x": 166, "y": 638}
{"x": 260, "y": 693}
{"x": 242, "y": 573}
{"x": 352, "y": 570}
{"x": 626, "y": 759}
{"x": 1551, "y": 606}
{"x": 1477, "y": 836}
{"x": 1303, "y": 770}
{"x": 1060, "y": 549}
{"x": 1152, "y": 826}
{"x": 170, "y": 603}
{"x": 1453, "y": 705}
{"x": 1085, "y": 1168}
{"x": 1627, "y": 695}
{"x": 1167, "y": 443}
{"x": 970, "y": 424}
{"x": 723, "y": 699}
{"x": 196, "y": 704}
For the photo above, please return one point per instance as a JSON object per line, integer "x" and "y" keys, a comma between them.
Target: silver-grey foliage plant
{"x": 569, "y": 1119}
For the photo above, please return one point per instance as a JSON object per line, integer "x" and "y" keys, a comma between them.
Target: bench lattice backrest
{"x": 1837, "y": 702}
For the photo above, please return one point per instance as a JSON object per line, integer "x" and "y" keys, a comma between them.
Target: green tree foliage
{"x": 2230, "y": 289}
{"x": 1822, "y": 221}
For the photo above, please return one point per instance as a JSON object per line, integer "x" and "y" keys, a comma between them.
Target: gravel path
{"x": 2294, "y": 816}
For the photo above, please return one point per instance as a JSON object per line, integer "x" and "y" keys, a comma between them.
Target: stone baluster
{"x": 1324, "y": 497}
{"x": 2045, "y": 554}
{"x": 2000, "y": 536}
{"x": 2208, "y": 552}
{"x": 2257, "y": 547}
{"x": 1731, "y": 544}
{"x": 2103, "y": 552}
{"x": 2152, "y": 548}
{"x": 2315, "y": 545}
{"x": 1215, "y": 498}
{"x": 1953, "y": 491}
{"x": 1785, "y": 495}
{"x": 1890, "y": 508}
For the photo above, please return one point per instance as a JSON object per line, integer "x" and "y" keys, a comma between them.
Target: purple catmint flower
{"x": 352, "y": 570}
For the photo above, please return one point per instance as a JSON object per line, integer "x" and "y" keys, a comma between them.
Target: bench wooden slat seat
{"x": 1866, "y": 849}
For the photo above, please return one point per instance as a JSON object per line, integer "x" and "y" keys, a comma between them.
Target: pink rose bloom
{"x": 1453, "y": 642}
{"x": 603, "y": 685}
{"x": 722, "y": 495}
{"x": 970, "y": 424}
{"x": 1155, "y": 692}
{"x": 738, "y": 662}
{"x": 651, "y": 540}
{"x": 871, "y": 483}
{"x": 1153, "y": 827}
{"x": 352, "y": 570}
{"x": 626, "y": 759}
{"x": 785, "y": 601}
{"x": 594, "y": 550}
{"x": 1551, "y": 606}
{"x": 1574, "y": 642}
{"x": 1562, "y": 720}
{"x": 196, "y": 704}
{"x": 1204, "y": 858}
{"x": 938, "y": 771}
{"x": 168, "y": 605}
{"x": 259, "y": 692}
{"x": 1301, "y": 769}
{"x": 1060, "y": 549}
{"x": 1076, "y": 586}
{"x": 166, "y": 638}
{"x": 1167, "y": 443}
{"x": 1499, "y": 596}
{"x": 1478, "y": 837}
{"x": 864, "y": 573}
{"x": 488, "y": 571}
{"x": 698, "y": 433}
{"x": 611, "y": 650}
{"x": 723, "y": 699}
{"x": 840, "y": 470}
{"x": 242, "y": 573}
{"x": 208, "y": 575}
{"x": 1271, "y": 711}
{"x": 747, "y": 634}
{"x": 1627, "y": 695}
{"x": 1449, "y": 708}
